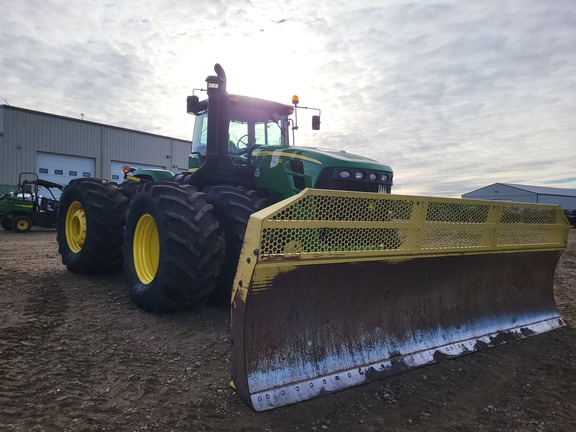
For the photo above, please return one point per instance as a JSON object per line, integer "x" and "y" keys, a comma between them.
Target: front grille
{"x": 327, "y": 180}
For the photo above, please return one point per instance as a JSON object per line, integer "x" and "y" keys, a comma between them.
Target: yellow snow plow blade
{"x": 335, "y": 289}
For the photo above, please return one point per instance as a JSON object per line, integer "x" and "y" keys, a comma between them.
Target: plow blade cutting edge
{"x": 335, "y": 289}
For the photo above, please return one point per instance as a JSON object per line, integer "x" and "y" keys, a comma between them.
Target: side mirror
{"x": 316, "y": 122}
{"x": 192, "y": 104}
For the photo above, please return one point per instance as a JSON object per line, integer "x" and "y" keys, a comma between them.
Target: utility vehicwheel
{"x": 21, "y": 224}
{"x": 90, "y": 221}
{"x": 233, "y": 207}
{"x": 6, "y": 224}
{"x": 173, "y": 247}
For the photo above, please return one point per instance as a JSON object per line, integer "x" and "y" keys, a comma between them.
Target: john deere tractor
{"x": 332, "y": 280}
{"x": 180, "y": 236}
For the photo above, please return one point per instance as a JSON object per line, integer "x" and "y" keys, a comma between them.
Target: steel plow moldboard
{"x": 335, "y": 289}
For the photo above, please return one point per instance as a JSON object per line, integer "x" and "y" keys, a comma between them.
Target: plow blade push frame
{"x": 335, "y": 289}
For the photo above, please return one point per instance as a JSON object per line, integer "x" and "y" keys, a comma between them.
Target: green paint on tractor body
{"x": 287, "y": 170}
{"x": 259, "y": 155}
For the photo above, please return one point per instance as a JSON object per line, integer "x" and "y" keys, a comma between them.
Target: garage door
{"x": 116, "y": 169}
{"x": 59, "y": 168}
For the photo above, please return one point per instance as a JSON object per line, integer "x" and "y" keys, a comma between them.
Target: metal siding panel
{"x": 4, "y": 185}
{"x": 138, "y": 147}
{"x": 63, "y": 136}
{"x": 501, "y": 189}
{"x": 567, "y": 203}
{"x": 502, "y": 192}
{"x": 180, "y": 151}
{"x": 484, "y": 192}
{"x": 28, "y": 132}
{"x": 545, "y": 190}
{"x": 19, "y": 157}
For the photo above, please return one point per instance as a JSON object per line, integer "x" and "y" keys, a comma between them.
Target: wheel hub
{"x": 22, "y": 224}
{"x": 76, "y": 227}
{"x": 146, "y": 249}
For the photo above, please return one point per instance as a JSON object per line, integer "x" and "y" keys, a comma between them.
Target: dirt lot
{"x": 77, "y": 355}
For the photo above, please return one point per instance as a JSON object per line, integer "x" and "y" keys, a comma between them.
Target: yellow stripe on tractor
{"x": 335, "y": 289}
{"x": 288, "y": 155}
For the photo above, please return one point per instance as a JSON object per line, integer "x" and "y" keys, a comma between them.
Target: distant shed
{"x": 523, "y": 193}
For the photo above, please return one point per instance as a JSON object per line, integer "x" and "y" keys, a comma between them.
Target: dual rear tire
{"x": 173, "y": 247}
{"x": 178, "y": 246}
{"x": 181, "y": 246}
{"x": 233, "y": 207}
{"x": 90, "y": 223}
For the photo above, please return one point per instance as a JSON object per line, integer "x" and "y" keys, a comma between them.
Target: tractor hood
{"x": 288, "y": 170}
{"x": 320, "y": 156}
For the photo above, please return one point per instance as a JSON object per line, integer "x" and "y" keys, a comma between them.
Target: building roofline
{"x": 27, "y": 110}
{"x": 538, "y": 190}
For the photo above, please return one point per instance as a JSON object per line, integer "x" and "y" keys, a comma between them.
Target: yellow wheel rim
{"x": 146, "y": 249}
{"x": 22, "y": 225}
{"x": 75, "y": 227}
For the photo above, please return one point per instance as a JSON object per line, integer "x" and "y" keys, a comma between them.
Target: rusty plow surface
{"x": 310, "y": 318}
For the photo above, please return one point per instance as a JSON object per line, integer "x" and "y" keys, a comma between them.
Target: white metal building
{"x": 523, "y": 193}
{"x": 60, "y": 149}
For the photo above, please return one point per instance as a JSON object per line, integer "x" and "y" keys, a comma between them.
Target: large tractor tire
{"x": 21, "y": 224}
{"x": 90, "y": 222}
{"x": 262, "y": 199}
{"x": 173, "y": 247}
{"x": 233, "y": 207}
{"x": 129, "y": 188}
{"x": 6, "y": 223}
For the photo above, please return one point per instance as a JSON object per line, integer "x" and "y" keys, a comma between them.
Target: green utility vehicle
{"x": 35, "y": 203}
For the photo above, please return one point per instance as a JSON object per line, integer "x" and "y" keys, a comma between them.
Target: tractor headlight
{"x": 359, "y": 175}
{"x": 344, "y": 174}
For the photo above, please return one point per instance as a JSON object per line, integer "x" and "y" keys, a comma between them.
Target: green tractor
{"x": 332, "y": 281}
{"x": 35, "y": 203}
{"x": 179, "y": 236}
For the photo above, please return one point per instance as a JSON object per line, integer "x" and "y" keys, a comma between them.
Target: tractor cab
{"x": 244, "y": 141}
{"x": 252, "y": 123}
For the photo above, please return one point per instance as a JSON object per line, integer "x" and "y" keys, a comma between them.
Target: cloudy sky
{"x": 453, "y": 95}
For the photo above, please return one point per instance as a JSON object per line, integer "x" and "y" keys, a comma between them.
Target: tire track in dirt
{"x": 106, "y": 358}
{"x": 29, "y": 323}
{"x": 77, "y": 355}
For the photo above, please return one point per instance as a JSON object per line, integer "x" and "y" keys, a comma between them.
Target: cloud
{"x": 453, "y": 95}
{"x": 562, "y": 180}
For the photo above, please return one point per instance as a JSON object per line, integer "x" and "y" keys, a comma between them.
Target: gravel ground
{"x": 77, "y": 355}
